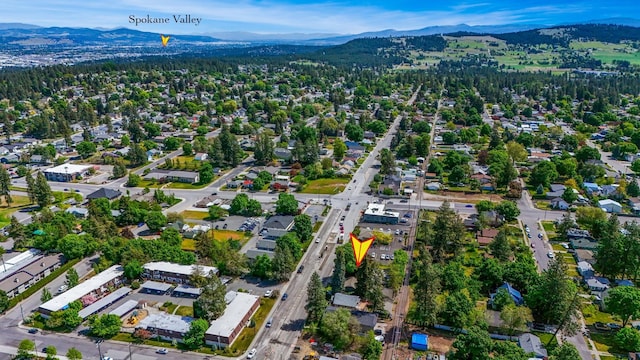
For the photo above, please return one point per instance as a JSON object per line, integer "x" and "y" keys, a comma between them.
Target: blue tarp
{"x": 419, "y": 341}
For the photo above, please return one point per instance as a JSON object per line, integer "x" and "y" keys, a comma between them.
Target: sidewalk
{"x": 14, "y": 351}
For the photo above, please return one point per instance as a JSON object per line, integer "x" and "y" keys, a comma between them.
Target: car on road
{"x": 285, "y": 296}
{"x": 33, "y": 331}
{"x": 529, "y": 235}
{"x": 252, "y": 353}
{"x": 300, "y": 269}
{"x": 317, "y": 240}
{"x": 214, "y": 193}
{"x": 550, "y": 255}
{"x": 533, "y": 246}
{"x": 107, "y": 358}
{"x": 342, "y": 218}
{"x": 268, "y": 293}
{"x": 539, "y": 235}
{"x": 269, "y": 322}
{"x": 468, "y": 206}
{"x": 162, "y": 351}
{"x": 404, "y": 201}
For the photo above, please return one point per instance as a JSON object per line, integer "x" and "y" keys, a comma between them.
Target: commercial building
{"x": 376, "y": 213}
{"x": 174, "y": 273}
{"x": 225, "y": 329}
{"x": 188, "y": 177}
{"x": 66, "y": 172}
{"x": 96, "y": 285}
{"x": 26, "y": 271}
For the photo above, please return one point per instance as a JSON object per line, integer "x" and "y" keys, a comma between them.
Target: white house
{"x": 610, "y": 206}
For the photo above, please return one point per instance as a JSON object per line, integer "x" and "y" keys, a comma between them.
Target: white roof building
{"x": 75, "y": 293}
{"x": 184, "y": 270}
{"x": 240, "y": 308}
{"x": 68, "y": 169}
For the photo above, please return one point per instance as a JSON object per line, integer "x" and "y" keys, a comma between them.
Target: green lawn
{"x": 18, "y": 203}
{"x": 246, "y": 336}
{"x": 593, "y": 315}
{"x": 317, "y": 226}
{"x": 548, "y": 226}
{"x": 325, "y": 186}
{"x": 185, "y": 311}
{"x": 194, "y": 215}
{"x": 178, "y": 185}
{"x": 603, "y": 342}
{"x": 544, "y": 338}
{"x": 190, "y": 244}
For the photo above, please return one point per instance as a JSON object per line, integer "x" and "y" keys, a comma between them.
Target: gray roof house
{"x": 531, "y": 344}
{"x": 344, "y": 300}
{"x": 279, "y": 222}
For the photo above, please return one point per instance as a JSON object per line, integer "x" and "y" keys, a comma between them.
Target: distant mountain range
{"x": 18, "y": 35}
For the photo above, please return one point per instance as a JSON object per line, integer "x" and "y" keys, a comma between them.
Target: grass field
{"x": 325, "y": 186}
{"x": 220, "y": 235}
{"x": 178, "y": 185}
{"x": 185, "y": 311}
{"x": 194, "y": 215}
{"x": 18, "y": 203}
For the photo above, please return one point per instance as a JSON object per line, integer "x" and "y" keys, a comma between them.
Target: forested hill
{"x": 377, "y": 51}
{"x": 562, "y": 35}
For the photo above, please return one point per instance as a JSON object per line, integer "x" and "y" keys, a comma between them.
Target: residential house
{"x": 585, "y": 269}
{"x": 586, "y": 243}
{"x": 578, "y": 233}
{"x": 531, "y": 344}
{"x": 556, "y": 191}
{"x": 279, "y": 222}
{"x": 433, "y": 186}
{"x": 201, "y": 157}
{"x": 609, "y": 190}
{"x": 517, "y": 297}
{"x": 559, "y": 204}
{"x": 592, "y": 188}
{"x": 283, "y": 154}
{"x": 585, "y": 255}
{"x": 486, "y": 236}
{"x": 597, "y": 284}
{"x": 344, "y": 300}
{"x": 391, "y": 182}
{"x": 610, "y": 206}
{"x": 78, "y": 212}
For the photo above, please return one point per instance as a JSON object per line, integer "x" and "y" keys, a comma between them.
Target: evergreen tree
{"x": 42, "y": 191}
{"x": 31, "y": 187}
{"x": 338, "y": 277}
{"x": 119, "y": 170}
{"x": 500, "y": 247}
{"x": 5, "y": 185}
{"x": 369, "y": 284}
{"x": 448, "y": 231}
{"x": 283, "y": 263}
{"x": 427, "y": 289}
{"x": 316, "y": 299}
{"x": 263, "y": 149}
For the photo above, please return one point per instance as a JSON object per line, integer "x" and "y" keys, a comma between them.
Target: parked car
{"x": 33, "y": 331}
{"x": 550, "y": 255}
{"x": 252, "y": 353}
{"x": 268, "y": 293}
{"x": 601, "y": 326}
{"x": 162, "y": 351}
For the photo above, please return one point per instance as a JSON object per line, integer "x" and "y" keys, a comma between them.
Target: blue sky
{"x": 306, "y": 16}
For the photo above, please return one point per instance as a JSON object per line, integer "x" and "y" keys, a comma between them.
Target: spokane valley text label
{"x": 179, "y": 19}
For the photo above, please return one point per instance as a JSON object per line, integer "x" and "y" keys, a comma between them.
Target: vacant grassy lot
{"x": 194, "y": 215}
{"x": 220, "y": 235}
{"x": 6, "y": 211}
{"x": 325, "y": 186}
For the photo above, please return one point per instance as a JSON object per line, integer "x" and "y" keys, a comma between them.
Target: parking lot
{"x": 383, "y": 252}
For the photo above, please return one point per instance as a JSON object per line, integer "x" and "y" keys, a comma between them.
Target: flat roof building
{"x": 174, "y": 273}
{"x": 96, "y": 284}
{"x": 66, "y": 172}
{"x": 167, "y": 327}
{"x": 375, "y": 213}
{"x": 125, "y": 308}
{"x": 225, "y": 329}
{"x": 104, "y": 302}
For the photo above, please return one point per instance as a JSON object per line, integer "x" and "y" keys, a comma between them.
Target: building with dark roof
{"x": 19, "y": 281}
{"x": 279, "y": 222}
{"x": 107, "y": 193}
